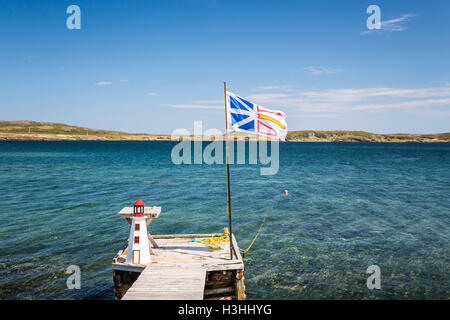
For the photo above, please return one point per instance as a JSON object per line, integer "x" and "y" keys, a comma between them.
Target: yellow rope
{"x": 254, "y": 239}
{"x": 214, "y": 242}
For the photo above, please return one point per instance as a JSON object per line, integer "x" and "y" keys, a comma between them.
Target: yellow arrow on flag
{"x": 262, "y": 116}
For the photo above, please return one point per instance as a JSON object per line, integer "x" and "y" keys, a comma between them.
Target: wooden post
{"x": 228, "y": 170}
{"x": 240, "y": 286}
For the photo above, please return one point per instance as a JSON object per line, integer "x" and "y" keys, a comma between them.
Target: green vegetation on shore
{"x": 32, "y": 130}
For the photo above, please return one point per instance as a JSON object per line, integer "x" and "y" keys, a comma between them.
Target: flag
{"x": 245, "y": 116}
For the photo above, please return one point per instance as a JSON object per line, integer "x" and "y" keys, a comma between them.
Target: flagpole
{"x": 228, "y": 170}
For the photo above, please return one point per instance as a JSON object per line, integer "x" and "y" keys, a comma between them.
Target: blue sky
{"x": 155, "y": 66}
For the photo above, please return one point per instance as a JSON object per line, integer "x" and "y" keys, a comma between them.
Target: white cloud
{"x": 269, "y": 96}
{"x": 200, "y": 104}
{"x": 405, "y": 104}
{"x": 209, "y": 101}
{"x": 313, "y": 115}
{"x": 103, "y": 83}
{"x": 393, "y": 25}
{"x": 152, "y": 94}
{"x": 123, "y": 80}
{"x": 268, "y": 88}
{"x": 317, "y": 71}
{"x": 345, "y": 100}
{"x": 195, "y": 106}
{"x": 396, "y": 24}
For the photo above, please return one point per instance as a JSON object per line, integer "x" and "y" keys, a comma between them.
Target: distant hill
{"x": 362, "y": 136}
{"x": 32, "y": 130}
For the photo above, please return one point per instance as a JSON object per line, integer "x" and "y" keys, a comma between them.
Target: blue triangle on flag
{"x": 237, "y": 105}
{"x": 249, "y": 104}
{"x": 250, "y": 126}
{"x": 236, "y": 117}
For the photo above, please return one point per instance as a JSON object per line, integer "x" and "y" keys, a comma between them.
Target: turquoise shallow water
{"x": 349, "y": 206}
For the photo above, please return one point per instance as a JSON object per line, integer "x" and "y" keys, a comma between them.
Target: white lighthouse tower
{"x": 138, "y": 244}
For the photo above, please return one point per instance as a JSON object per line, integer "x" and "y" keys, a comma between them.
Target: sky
{"x": 157, "y": 66}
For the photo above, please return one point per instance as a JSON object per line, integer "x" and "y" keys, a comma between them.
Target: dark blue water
{"x": 349, "y": 206}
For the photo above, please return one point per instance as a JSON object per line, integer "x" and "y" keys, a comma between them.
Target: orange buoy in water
{"x": 286, "y": 192}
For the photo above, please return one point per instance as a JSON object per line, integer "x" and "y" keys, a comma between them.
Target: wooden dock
{"x": 181, "y": 269}
{"x": 168, "y": 283}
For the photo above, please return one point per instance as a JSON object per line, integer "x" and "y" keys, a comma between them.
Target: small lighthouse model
{"x": 138, "y": 244}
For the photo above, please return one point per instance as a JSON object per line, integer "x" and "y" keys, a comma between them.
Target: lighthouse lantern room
{"x": 138, "y": 244}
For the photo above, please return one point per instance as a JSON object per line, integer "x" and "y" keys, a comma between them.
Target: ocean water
{"x": 350, "y": 205}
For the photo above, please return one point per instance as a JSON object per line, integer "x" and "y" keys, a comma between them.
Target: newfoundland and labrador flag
{"x": 245, "y": 116}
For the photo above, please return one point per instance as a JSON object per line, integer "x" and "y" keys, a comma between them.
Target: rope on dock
{"x": 243, "y": 252}
{"x": 213, "y": 242}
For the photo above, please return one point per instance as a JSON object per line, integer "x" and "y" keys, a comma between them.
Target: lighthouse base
{"x": 123, "y": 280}
{"x": 124, "y": 275}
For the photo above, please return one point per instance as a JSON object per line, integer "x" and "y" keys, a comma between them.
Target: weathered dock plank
{"x": 169, "y": 282}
